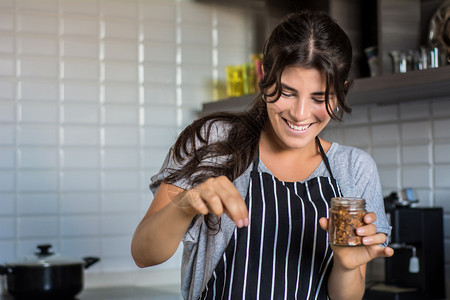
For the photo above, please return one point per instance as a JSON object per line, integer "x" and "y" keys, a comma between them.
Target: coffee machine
{"x": 416, "y": 270}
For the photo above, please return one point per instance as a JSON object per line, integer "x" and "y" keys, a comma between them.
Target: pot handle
{"x": 89, "y": 261}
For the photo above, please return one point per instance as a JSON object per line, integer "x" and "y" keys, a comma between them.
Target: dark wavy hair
{"x": 305, "y": 39}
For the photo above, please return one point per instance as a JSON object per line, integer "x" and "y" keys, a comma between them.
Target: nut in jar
{"x": 346, "y": 215}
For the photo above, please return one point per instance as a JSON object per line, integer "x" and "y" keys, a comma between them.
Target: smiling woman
{"x": 301, "y": 107}
{"x": 248, "y": 194}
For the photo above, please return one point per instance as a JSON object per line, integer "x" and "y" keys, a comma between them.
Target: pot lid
{"x": 45, "y": 258}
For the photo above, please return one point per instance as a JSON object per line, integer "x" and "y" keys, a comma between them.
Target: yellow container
{"x": 249, "y": 78}
{"x": 235, "y": 80}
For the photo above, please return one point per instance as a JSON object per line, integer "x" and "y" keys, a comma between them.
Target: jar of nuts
{"x": 346, "y": 215}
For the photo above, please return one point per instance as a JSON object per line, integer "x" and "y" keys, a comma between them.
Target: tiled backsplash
{"x": 93, "y": 93}
{"x": 409, "y": 142}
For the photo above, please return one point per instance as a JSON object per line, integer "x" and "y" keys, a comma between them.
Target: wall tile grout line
{"x": 16, "y": 131}
{"x": 102, "y": 100}
{"x": 60, "y": 165}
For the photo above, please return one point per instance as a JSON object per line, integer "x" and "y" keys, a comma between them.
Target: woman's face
{"x": 300, "y": 113}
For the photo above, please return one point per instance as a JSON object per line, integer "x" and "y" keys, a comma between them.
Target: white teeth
{"x": 298, "y": 128}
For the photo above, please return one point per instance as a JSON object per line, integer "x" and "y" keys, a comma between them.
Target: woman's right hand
{"x": 216, "y": 195}
{"x": 158, "y": 235}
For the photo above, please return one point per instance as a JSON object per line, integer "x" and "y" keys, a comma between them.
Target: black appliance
{"x": 416, "y": 271}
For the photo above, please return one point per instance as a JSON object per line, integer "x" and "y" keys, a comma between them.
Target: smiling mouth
{"x": 297, "y": 128}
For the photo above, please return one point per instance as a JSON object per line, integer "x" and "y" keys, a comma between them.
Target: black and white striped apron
{"x": 283, "y": 253}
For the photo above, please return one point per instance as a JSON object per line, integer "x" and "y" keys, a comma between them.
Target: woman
{"x": 248, "y": 194}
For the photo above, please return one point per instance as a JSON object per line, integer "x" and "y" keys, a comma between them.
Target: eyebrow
{"x": 287, "y": 87}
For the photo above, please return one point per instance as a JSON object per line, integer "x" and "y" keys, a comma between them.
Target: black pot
{"x": 46, "y": 275}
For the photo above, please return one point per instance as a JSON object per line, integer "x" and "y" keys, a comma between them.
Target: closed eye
{"x": 287, "y": 91}
{"x": 287, "y": 95}
{"x": 321, "y": 100}
{"x": 319, "y": 97}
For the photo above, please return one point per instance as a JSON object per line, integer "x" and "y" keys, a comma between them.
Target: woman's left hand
{"x": 351, "y": 257}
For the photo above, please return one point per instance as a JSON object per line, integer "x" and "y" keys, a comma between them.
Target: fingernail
{"x": 360, "y": 231}
{"x": 240, "y": 223}
{"x": 246, "y": 221}
{"x": 367, "y": 240}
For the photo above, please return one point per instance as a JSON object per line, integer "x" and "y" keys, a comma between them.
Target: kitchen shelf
{"x": 401, "y": 87}
{"x": 386, "y": 89}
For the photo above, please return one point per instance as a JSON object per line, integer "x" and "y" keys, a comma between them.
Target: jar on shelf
{"x": 346, "y": 215}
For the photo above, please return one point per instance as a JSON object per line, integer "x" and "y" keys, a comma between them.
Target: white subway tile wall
{"x": 94, "y": 92}
{"x": 92, "y": 95}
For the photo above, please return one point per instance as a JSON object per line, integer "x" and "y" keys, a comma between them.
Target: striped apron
{"x": 283, "y": 253}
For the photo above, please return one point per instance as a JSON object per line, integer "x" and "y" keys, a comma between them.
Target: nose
{"x": 300, "y": 109}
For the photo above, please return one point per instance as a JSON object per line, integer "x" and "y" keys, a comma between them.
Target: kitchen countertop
{"x": 125, "y": 293}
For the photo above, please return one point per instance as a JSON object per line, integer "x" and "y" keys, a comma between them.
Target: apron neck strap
{"x": 324, "y": 157}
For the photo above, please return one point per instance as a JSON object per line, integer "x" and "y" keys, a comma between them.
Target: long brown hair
{"x": 309, "y": 40}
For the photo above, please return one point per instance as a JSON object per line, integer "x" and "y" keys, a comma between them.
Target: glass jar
{"x": 346, "y": 215}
